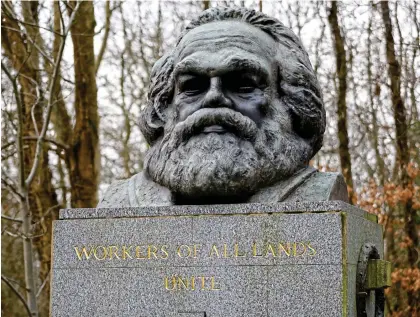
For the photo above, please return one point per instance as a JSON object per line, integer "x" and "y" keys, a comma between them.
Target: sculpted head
{"x": 233, "y": 108}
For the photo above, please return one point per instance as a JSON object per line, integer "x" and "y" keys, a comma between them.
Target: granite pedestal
{"x": 215, "y": 261}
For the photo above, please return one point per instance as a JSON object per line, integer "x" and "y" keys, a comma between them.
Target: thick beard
{"x": 238, "y": 163}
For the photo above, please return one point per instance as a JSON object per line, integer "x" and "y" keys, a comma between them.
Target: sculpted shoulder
{"x": 321, "y": 186}
{"x": 115, "y": 196}
{"x": 137, "y": 191}
{"x": 306, "y": 185}
{"x": 234, "y": 114}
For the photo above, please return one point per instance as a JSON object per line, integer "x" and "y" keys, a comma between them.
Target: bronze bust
{"x": 234, "y": 115}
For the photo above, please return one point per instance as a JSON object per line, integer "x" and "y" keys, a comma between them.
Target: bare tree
{"x": 30, "y": 161}
{"x": 341, "y": 70}
{"x": 84, "y": 155}
{"x": 401, "y": 131}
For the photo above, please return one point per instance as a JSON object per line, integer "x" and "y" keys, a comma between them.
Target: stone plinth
{"x": 214, "y": 261}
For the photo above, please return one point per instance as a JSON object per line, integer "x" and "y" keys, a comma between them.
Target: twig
{"x": 34, "y": 25}
{"x": 36, "y": 103}
{"x": 43, "y": 284}
{"x": 47, "y": 213}
{"x": 6, "y": 280}
{"x": 108, "y": 12}
{"x": 32, "y": 42}
{"x": 56, "y": 143}
{"x": 24, "y": 184}
{"x": 47, "y": 113}
{"x": 12, "y": 188}
{"x": 11, "y": 280}
{"x": 14, "y": 235}
{"x": 11, "y": 219}
{"x": 20, "y": 123}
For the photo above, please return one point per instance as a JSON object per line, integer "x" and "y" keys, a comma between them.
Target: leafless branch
{"x": 11, "y": 219}
{"x": 34, "y": 138}
{"x": 14, "y": 235}
{"x": 20, "y": 123}
{"x": 36, "y": 103}
{"x": 56, "y": 143}
{"x": 47, "y": 113}
{"x": 19, "y": 295}
{"x": 43, "y": 284}
{"x": 32, "y": 24}
{"x": 47, "y": 213}
{"x": 32, "y": 42}
{"x": 108, "y": 12}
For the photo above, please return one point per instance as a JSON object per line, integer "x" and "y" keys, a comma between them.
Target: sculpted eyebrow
{"x": 240, "y": 65}
{"x": 190, "y": 67}
{"x": 234, "y": 65}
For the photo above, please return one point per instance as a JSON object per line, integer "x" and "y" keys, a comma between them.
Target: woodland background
{"x": 74, "y": 79}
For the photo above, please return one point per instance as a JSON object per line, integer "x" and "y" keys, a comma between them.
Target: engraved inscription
{"x": 214, "y": 251}
{"x": 194, "y": 251}
{"x": 191, "y": 283}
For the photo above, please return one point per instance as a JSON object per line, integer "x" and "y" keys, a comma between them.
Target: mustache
{"x": 231, "y": 120}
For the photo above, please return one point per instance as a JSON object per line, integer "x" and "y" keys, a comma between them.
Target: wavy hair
{"x": 297, "y": 84}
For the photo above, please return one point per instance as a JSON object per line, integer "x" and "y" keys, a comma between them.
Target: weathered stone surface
{"x": 234, "y": 114}
{"x": 247, "y": 281}
{"x": 153, "y": 211}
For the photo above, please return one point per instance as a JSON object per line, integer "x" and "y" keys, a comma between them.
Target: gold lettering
{"x": 113, "y": 249}
{"x": 295, "y": 248}
{"x": 80, "y": 253}
{"x": 225, "y": 251}
{"x": 183, "y": 283}
{"x": 196, "y": 248}
{"x": 104, "y": 253}
{"x": 126, "y": 252}
{"x": 193, "y": 283}
{"x": 164, "y": 250}
{"x": 308, "y": 244}
{"x": 167, "y": 283}
{"x": 237, "y": 253}
{"x": 150, "y": 252}
{"x": 214, "y": 250}
{"x": 254, "y": 250}
{"x": 203, "y": 282}
{"x": 138, "y": 252}
{"x": 181, "y": 254}
{"x": 188, "y": 283}
{"x": 213, "y": 286}
{"x": 269, "y": 249}
{"x": 281, "y": 247}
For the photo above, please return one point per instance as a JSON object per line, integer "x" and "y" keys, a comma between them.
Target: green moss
{"x": 372, "y": 217}
{"x": 344, "y": 262}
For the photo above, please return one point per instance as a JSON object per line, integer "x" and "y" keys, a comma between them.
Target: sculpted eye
{"x": 246, "y": 89}
{"x": 242, "y": 85}
{"x": 194, "y": 86}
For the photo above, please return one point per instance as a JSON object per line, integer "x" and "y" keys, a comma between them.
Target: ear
{"x": 306, "y": 108}
{"x": 151, "y": 124}
{"x": 153, "y": 118}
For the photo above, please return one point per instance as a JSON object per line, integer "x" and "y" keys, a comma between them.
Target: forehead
{"x": 217, "y": 42}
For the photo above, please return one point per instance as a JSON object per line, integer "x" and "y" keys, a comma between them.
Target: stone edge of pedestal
{"x": 200, "y": 210}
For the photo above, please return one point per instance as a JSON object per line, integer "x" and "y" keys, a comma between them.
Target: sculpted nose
{"x": 215, "y": 96}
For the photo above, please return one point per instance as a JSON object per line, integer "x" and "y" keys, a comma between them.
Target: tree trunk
{"x": 373, "y": 94}
{"x": 403, "y": 157}
{"x": 59, "y": 115}
{"x": 341, "y": 69}
{"x": 206, "y": 4}
{"x": 84, "y": 153}
{"x": 42, "y": 196}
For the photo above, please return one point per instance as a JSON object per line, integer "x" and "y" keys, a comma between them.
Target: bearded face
{"x": 227, "y": 133}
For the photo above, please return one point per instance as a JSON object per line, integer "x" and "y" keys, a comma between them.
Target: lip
{"x": 214, "y": 129}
